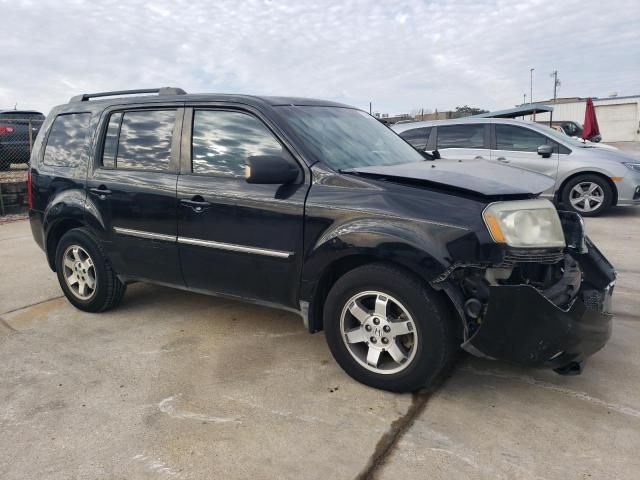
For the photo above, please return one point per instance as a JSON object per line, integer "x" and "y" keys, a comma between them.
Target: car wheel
{"x": 388, "y": 330}
{"x": 589, "y": 195}
{"x": 84, "y": 273}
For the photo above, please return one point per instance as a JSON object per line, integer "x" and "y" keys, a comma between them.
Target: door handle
{"x": 197, "y": 203}
{"x": 479, "y": 157}
{"x": 503, "y": 160}
{"x": 101, "y": 192}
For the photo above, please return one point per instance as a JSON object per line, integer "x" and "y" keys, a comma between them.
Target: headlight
{"x": 524, "y": 223}
{"x": 633, "y": 166}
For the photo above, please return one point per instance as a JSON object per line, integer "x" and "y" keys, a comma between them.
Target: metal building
{"x": 618, "y": 117}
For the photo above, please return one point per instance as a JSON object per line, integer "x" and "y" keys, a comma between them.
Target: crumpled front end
{"x": 538, "y": 308}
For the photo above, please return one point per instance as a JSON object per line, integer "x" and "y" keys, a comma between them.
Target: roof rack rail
{"x": 160, "y": 91}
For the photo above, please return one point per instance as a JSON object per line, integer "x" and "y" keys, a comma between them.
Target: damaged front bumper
{"x": 530, "y": 326}
{"x": 522, "y": 326}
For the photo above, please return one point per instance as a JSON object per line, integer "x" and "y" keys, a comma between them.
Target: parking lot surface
{"x": 178, "y": 385}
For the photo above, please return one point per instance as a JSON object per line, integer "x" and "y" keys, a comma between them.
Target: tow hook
{"x": 573, "y": 368}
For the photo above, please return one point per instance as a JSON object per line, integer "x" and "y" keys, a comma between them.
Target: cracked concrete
{"x": 178, "y": 385}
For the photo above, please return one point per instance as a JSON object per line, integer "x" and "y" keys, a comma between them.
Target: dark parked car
{"x": 317, "y": 208}
{"x": 15, "y": 135}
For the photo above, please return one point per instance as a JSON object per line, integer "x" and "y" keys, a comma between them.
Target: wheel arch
{"x": 55, "y": 233}
{"x": 611, "y": 183}
{"x": 339, "y": 267}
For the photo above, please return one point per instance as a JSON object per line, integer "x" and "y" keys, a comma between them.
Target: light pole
{"x": 556, "y": 84}
{"x": 531, "y": 85}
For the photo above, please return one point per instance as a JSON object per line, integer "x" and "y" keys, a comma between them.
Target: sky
{"x": 401, "y": 56}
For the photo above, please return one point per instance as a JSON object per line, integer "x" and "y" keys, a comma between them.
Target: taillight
{"x": 6, "y": 129}
{"x": 29, "y": 190}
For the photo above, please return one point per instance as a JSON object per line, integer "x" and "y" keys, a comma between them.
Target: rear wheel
{"x": 387, "y": 329}
{"x": 589, "y": 195}
{"x": 84, "y": 273}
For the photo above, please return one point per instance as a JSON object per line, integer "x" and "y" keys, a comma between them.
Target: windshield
{"x": 346, "y": 138}
{"x": 561, "y": 137}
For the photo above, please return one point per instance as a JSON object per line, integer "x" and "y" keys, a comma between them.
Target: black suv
{"x": 317, "y": 208}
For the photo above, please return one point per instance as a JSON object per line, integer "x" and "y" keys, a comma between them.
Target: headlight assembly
{"x": 524, "y": 223}
{"x": 633, "y": 166}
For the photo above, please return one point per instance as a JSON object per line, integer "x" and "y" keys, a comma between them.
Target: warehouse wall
{"x": 618, "y": 118}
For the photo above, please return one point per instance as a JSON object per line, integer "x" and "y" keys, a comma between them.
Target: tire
{"x": 429, "y": 347}
{"x": 86, "y": 260}
{"x": 602, "y": 195}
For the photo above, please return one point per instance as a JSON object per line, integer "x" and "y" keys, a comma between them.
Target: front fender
{"x": 420, "y": 247}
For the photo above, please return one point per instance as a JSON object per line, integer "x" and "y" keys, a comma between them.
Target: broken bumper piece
{"x": 523, "y": 326}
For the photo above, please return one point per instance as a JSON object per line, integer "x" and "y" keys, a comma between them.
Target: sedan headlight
{"x": 524, "y": 223}
{"x": 633, "y": 166}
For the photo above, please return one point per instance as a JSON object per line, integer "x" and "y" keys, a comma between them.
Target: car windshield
{"x": 346, "y": 138}
{"x": 561, "y": 137}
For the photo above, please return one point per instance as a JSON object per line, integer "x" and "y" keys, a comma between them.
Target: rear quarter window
{"x": 67, "y": 140}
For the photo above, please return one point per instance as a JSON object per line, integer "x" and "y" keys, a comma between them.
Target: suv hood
{"x": 475, "y": 176}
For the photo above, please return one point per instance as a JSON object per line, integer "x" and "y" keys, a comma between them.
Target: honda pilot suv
{"x": 317, "y": 208}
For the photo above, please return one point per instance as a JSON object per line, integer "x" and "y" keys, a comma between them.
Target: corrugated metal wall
{"x": 618, "y": 118}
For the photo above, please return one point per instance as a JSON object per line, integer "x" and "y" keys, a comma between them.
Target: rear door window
{"x": 418, "y": 137}
{"x": 139, "y": 140}
{"x": 461, "y": 136}
{"x": 67, "y": 140}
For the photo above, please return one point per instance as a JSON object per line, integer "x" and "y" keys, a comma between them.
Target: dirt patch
{"x": 13, "y": 217}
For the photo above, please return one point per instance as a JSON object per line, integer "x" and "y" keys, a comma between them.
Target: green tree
{"x": 467, "y": 111}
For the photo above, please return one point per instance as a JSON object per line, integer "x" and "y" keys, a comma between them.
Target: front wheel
{"x": 588, "y": 195}
{"x": 388, "y": 330}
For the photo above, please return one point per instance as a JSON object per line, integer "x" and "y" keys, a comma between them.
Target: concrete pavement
{"x": 179, "y": 385}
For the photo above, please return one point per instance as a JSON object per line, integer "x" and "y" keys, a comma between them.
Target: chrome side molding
{"x": 234, "y": 248}
{"x": 202, "y": 243}
{"x": 142, "y": 234}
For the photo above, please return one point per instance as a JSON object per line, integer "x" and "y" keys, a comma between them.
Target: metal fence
{"x": 17, "y": 136}
{"x": 16, "y": 142}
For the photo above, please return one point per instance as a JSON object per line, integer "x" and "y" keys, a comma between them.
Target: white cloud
{"x": 400, "y": 55}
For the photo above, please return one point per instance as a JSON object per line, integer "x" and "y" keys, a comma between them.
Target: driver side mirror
{"x": 270, "y": 169}
{"x": 545, "y": 151}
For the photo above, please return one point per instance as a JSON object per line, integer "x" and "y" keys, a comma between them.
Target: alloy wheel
{"x": 379, "y": 332}
{"x": 79, "y": 272}
{"x": 586, "y": 196}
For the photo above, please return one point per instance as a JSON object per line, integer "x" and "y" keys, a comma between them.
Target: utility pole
{"x": 531, "y": 85}
{"x": 369, "y": 108}
{"x": 531, "y": 91}
{"x": 524, "y": 99}
{"x": 556, "y": 84}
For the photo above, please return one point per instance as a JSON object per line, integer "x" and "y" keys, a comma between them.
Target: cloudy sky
{"x": 400, "y": 55}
